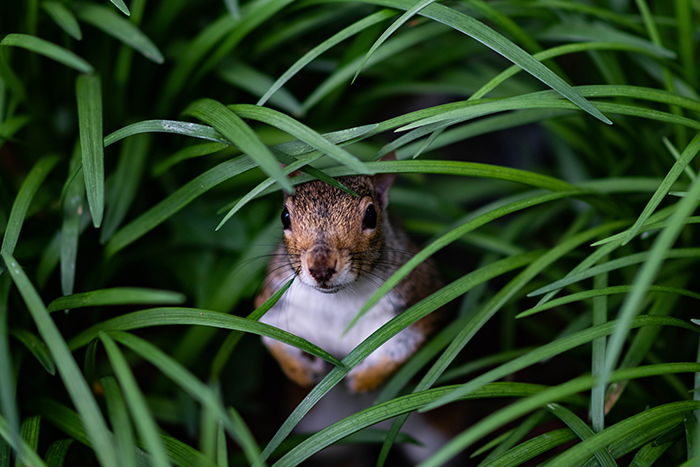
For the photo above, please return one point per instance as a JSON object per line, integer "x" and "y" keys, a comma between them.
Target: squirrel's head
{"x": 333, "y": 237}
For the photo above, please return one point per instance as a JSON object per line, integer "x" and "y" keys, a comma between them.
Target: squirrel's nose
{"x": 322, "y": 273}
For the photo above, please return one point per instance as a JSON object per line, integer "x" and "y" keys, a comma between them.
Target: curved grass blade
{"x": 600, "y": 292}
{"x": 68, "y": 421}
{"x": 26, "y": 453}
{"x": 301, "y": 132}
{"x": 89, "y": 94}
{"x": 31, "y": 426}
{"x": 517, "y": 409}
{"x": 451, "y": 236}
{"x": 249, "y": 79}
{"x": 8, "y": 402}
{"x": 659, "y": 250}
{"x": 122, "y": 187}
{"x": 117, "y": 296}
{"x": 119, "y": 419}
{"x": 239, "y": 133}
{"x": 188, "y": 152}
{"x": 194, "y": 130}
{"x": 686, "y": 157}
{"x": 197, "y": 317}
{"x": 24, "y": 197}
{"x": 73, "y": 380}
{"x": 176, "y": 201}
{"x": 636, "y": 430}
{"x": 400, "y": 21}
{"x": 135, "y": 400}
{"x": 582, "y": 430}
{"x": 612, "y": 265}
{"x": 73, "y": 204}
{"x": 390, "y": 329}
{"x": 47, "y": 49}
{"x": 392, "y": 408}
{"x": 56, "y": 452}
{"x": 122, "y": 6}
{"x": 501, "y": 45}
{"x": 312, "y": 54}
{"x": 37, "y": 347}
{"x": 531, "y": 448}
{"x": 195, "y": 388}
{"x": 63, "y": 17}
{"x": 121, "y": 29}
{"x": 225, "y": 349}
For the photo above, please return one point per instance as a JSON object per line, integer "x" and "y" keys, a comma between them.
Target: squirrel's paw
{"x": 302, "y": 368}
{"x": 370, "y": 374}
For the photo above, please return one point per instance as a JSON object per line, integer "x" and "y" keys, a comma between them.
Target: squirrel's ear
{"x": 382, "y": 182}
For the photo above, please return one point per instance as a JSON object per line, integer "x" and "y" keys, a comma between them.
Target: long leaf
{"x": 117, "y": 296}
{"x": 48, "y": 49}
{"x": 89, "y": 93}
{"x": 73, "y": 380}
{"x": 239, "y": 133}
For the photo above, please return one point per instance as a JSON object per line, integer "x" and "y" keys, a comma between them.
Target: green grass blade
{"x": 122, "y": 6}
{"x": 56, "y": 452}
{"x": 450, "y": 237}
{"x": 196, "y": 317}
{"x": 301, "y": 132}
{"x": 117, "y": 296}
{"x": 63, "y": 17}
{"x": 531, "y": 448}
{"x": 37, "y": 347}
{"x": 312, "y": 54}
{"x": 601, "y": 292}
{"x": 7, "y": 375}
{"x": 89, "y": 94}
{"x": 24, "y": 197}
{"x": 392, "y": 408}
{"x": 636, "y": 429}
{"x": 582, "y": 430}
{"x": 68, "y": 421}
{"x": 31, "y": 426}
{"x": 646, "y": 276}
{"x": 499, "y": 44}
{"x": 186, "y": 153}
{"x": 226, "y": 348}
{"x": 176, "y": 201}
{"x": 239, "y": 133}
{"x": 26, "y": 453}
{"x": 612, "y": 265}
{"x": 73, "y": 212}
{"x": 121, "y": 29}
{"x": 555, "y": 393}
{"x": 47, "y": 49}
{"x": 73, "y": 380}
{"x": 123, "y": 187}
{"x": 262, "y": 186}
{"x": 193, "y": 130}
{"x": 135, "y": 400}
{"x": 686, "y": 157}
{"x": 195, "y": 388}
{"x": 400, "y": 21}
{"x": 119, "y": 419}
{"x": 248, "y": 78}
{"x": 388, "y": 330}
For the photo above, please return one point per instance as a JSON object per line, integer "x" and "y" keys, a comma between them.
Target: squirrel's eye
{"x": 370, "y": 219}
{"x": 286, "y": 219}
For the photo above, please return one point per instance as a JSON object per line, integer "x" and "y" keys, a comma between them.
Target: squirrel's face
{"x": 333, "y": 238}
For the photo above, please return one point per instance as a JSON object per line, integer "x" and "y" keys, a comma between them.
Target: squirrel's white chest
{"x": 322, "y": 318}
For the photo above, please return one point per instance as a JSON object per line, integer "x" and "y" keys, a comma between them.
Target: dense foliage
{"x": 142, "y": 149}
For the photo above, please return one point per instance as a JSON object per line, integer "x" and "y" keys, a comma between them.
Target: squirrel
{"x": 340, "y": 248}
